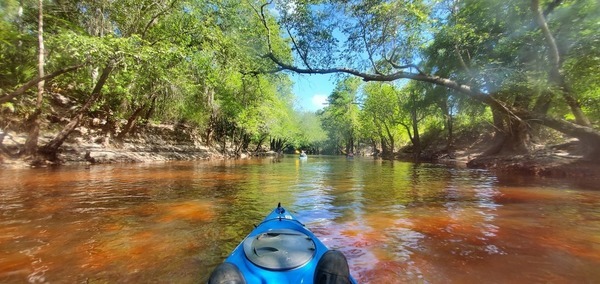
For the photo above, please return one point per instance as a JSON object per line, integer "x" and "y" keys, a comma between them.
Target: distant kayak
{"x": 282, "y": 250}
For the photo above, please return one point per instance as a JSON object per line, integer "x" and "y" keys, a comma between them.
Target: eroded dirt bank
{"x": 154, "y": 143}
{"x": 564, "y": 160}
{"x": 89, "y": 146}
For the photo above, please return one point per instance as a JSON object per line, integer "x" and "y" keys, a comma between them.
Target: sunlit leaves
{"x": 361, "y": 34}
{"x": 176, "y": 60}
{"x": 192, "y": 60}
{"x": 380, "y": 114}
{"x": 341, "y": 116}
{"x": 17, "y": 46}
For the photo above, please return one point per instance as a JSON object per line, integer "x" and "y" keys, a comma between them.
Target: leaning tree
{"x": 511, "y": 56}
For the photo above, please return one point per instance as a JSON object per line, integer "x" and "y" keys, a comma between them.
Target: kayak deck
{"x": 279, "y": 250}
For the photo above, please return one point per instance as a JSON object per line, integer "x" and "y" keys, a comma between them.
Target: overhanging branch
{"x": 19, "y": 91}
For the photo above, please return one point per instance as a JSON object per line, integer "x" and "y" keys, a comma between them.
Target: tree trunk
{"x": 51, "y": 148}
{"x": 589, "y": 137}
{"x": 350, "y": 144}
{"x": 245, "y": 142}
{"x": 543, "y": 102}
{"x": 385, "y": 148}
{"x": 131, "y": 122}
{"x": 260, "y": 141}
{"x": 416, "y": 138}
{"x": 391, "y": 139}
{"x": 511, "y": 136}
{"x": 556, "y": 76}
{"x": 499, "y": 133}
{"x": 450, "y": 128}
{"x": 34, "y": 129}
{"x": 448, "y": 123}
{"x": 517, "y": 138}
{"x": 33, "y": 125}
{"x": 277, "y": 144}
{"x": 375, "y": 149}
{"x": 237, "y": 141}
{"x": 213, "y": 125}
{"x": 151, "y": 109}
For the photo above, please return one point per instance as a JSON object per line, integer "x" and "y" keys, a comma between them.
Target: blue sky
{"x": 311, "y": 91}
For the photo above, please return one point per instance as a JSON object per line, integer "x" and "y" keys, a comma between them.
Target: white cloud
{"x": 319, "y": 101}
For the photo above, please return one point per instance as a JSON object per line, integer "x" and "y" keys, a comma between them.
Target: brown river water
{"x": 396, "y": 222}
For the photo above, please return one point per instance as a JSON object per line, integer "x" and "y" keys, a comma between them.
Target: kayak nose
{"x": 280, "y": 209}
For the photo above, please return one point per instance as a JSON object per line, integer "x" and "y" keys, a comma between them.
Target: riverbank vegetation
{"x": 414, "y": 78}
{"x": 116, "y": 65}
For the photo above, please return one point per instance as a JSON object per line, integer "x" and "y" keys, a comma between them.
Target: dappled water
{"x": 396, "y": 222}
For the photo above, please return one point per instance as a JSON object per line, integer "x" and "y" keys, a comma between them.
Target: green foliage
{"x": 17, "y": 50}
{"x": 381, "y": 113}
{"x": 583, "y": 63}
{"x": 196, "y": 61}
{"x": 184, "y": 60}
{"x": 498, "y": 47}
{"x": 313, "y": 135}
{"x": 7, "y": 106}
{"x": 341, "y": 116}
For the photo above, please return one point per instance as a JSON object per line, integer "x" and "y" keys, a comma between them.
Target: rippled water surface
{"x": 396, "y": 222}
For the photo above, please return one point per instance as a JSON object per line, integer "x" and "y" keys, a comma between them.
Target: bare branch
{"x": 406, "y": 66}
{"x": 263, "y": 19}
{"x": 302, "y": 56}
{"x": 541, "y": 21}
{"x": 461, "y": 60}
{"x": 422, "y": 77}
{"x": 369, "y": 51}
{"x": 34, "y": 81}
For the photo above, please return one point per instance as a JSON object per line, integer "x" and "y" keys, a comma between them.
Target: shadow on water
{"x": 396, "y": 222}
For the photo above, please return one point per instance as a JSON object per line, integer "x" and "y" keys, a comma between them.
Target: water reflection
{"x": 396, "y": 222}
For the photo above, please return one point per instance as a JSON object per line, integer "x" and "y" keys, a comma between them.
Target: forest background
{"x": 417, "y": 79}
